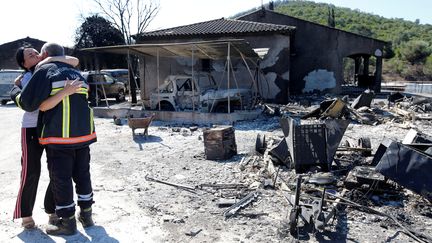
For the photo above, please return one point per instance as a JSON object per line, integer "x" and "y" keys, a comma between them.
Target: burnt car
{"x": 184, "y": 92}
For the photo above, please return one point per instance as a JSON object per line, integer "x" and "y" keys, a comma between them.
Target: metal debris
{"x": 361, "y": 175}
{"x": 193, "y": 232}
{"x": 244, "y": 202}
{"x": 314, "y": 144}
{"x": 280, "y": 151}
{"x": 365, "y": 99}
{"x": 311, "y": 213}
{"x": 226, "y": 202}
{"x": 260, "y": 143}
{"x": 408, "y": 167}
{"x": 183, "y": 187}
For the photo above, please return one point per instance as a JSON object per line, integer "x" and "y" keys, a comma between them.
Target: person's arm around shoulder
{"x": 15, "y": 92}
{"x": 73, "y": 61}
{"x": 71, "y": 87}
{"x": 18, "y": 80}
{"x": 19, "y": 84}
{"x": 34, "y": 93}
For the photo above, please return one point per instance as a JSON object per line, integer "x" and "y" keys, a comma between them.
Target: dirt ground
{"x": 130, "y": 208}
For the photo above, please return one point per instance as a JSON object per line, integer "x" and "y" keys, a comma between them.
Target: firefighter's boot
{"x": 65, "y": 226}
{"x": 53, "y": 219}
{"x": 85, "y": 217}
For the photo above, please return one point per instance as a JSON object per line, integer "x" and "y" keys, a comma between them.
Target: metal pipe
{"x": 228, "y": 74}
{"x": 157, "y": 67}
{"x": 193, "y": 82}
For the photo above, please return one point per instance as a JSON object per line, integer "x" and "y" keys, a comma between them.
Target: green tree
{"x": 397, "y": 66}
{"x": 361, "y": 30}
{"x": 415, "y": 51}
{"x": 427, "y": 68}
{"x": 402, "y": 37}
{"x": 97, "y": 31}
{"x": 395, "y": 30}
{"x": 388, "y": 51}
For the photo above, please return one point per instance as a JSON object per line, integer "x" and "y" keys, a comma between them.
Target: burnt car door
{"x": 187, "y": 93}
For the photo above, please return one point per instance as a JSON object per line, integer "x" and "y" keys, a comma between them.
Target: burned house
{"x": 298, "y": 56}
{"x": 288, "y": 55}
{"x": 318, "y": 52}
{"x": 270, "y": 41}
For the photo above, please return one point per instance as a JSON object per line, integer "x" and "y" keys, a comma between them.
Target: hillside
{"x": 410, "y": 42}
{"x": 395, "y": 30}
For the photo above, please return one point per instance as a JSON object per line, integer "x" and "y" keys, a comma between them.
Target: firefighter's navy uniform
{"x": 66, "y": 131}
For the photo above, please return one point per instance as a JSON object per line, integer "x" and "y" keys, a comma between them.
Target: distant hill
{"x": 411, "y": 41}
{"x": 395, "y": 30}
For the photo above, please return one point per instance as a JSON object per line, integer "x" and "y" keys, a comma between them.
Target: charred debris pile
{"x": 321, "y": 175}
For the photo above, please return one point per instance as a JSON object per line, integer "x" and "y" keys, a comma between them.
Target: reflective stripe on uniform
{"x": 67, "y": 206}
{"x": 17, "y": 98}
{"x": 73, "y": 140}
{"x": 62, "y": 83}
{"x": 54, "y": 91}
{"x": 43, "y": 129}
{"x": 91, "y": 121}
{"x": 86, "y": 197}
{"x": 83, "y": 91}
{"x": 80, "y": 91}
{"x": 66, "y": 117}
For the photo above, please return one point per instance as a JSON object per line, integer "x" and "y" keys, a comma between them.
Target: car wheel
{"x": 165, "y": 106}
{"x": 4, "y": 102}
{"x": 95, "y": 99}
{"x": 221, "y": 108}
{"x": 121, "y": 96}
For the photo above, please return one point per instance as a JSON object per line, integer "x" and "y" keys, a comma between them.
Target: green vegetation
{"x": 410, "y": 42}
{"x": 96, "y": 31}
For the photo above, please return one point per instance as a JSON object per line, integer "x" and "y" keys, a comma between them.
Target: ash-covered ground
{"x": 129, "y": 207}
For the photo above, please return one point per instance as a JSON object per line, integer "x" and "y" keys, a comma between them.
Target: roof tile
{"x": 218, "y": 27}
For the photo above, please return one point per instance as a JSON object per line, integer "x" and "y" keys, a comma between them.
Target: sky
{"x": 58, "y": 20}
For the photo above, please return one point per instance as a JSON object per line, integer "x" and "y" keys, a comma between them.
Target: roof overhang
{"x": 215, "y": 49}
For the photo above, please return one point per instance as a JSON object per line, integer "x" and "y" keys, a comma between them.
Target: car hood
{"x": 225, "y": 92}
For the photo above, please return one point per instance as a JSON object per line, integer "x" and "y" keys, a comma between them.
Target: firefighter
{"x": 66, "y": 131}
{"x": 27, "y": 58}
